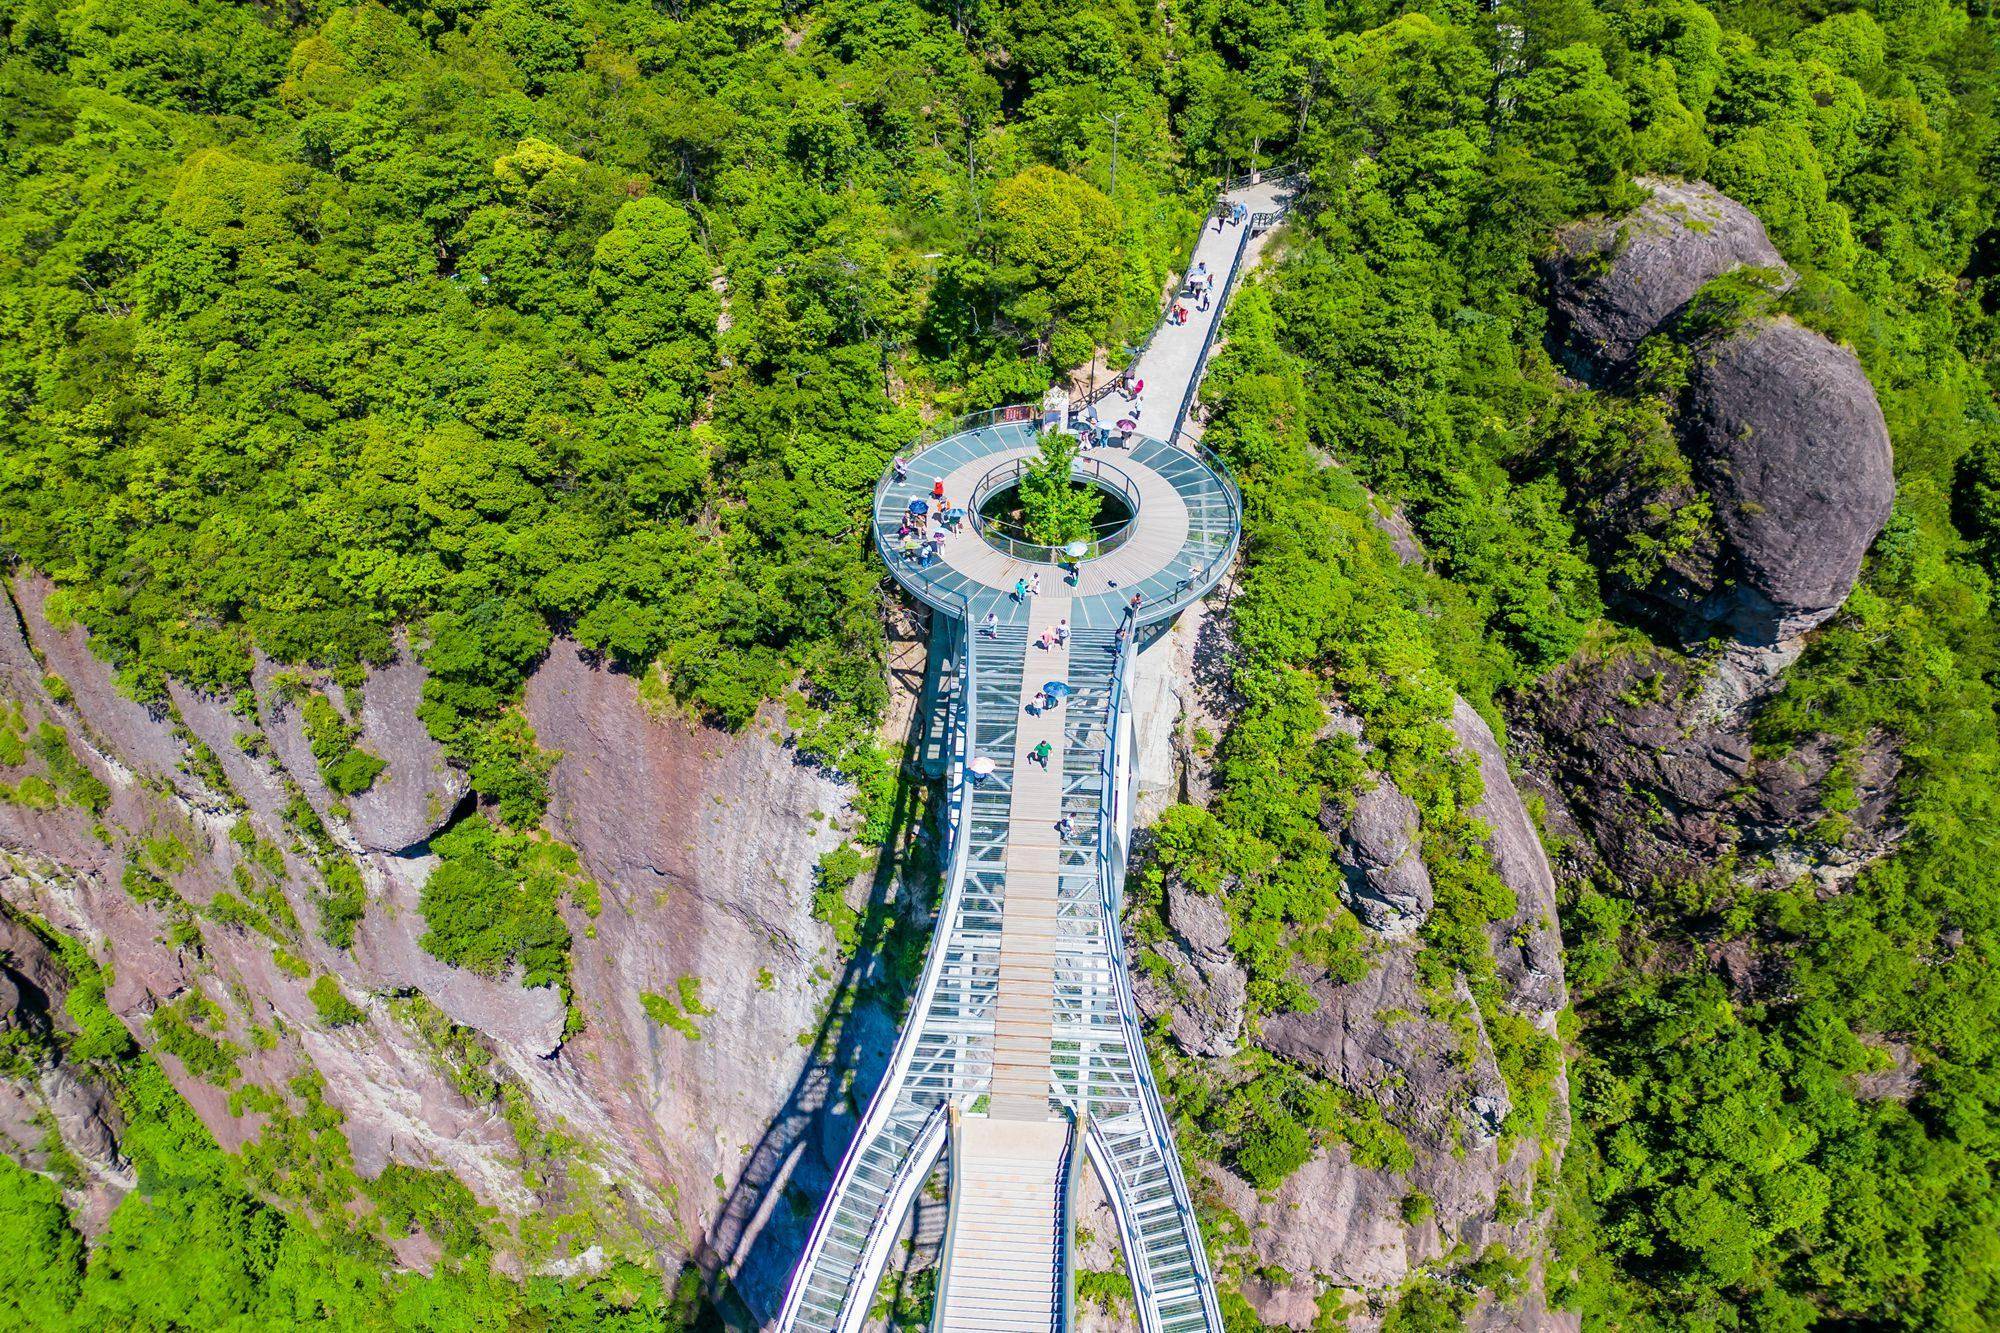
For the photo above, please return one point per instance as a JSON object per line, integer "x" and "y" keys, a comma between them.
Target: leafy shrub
{"x": 331, "y": 1002}
{"x": 179, "y": 1029}
{"x": 342, "y": 902}
{"x": 347, "y": 769}
{"x": 491, "y": 903}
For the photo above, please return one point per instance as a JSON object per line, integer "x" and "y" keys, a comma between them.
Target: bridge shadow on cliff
{"x": 759, "y": 1235}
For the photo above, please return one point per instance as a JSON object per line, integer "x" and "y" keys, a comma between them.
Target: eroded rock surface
{"x": 1428, "y": 1061}
{"x": 417, "y": 793}
{"x": 1205, "y": 994}
{"x": 1614, "y": 281}
{"x": 1387, "y": 885}
{"x": 1653, "y": 750}
{"x": 1785, "y": 441}
{"x": 702, "y": 844}
{"x": 1789, "y": 441}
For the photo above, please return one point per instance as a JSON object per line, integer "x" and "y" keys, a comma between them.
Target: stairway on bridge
{"x": 1024, "y": 1037}
{"x": 1002, "y": 1269}
{"x": 1007, "y": 1183}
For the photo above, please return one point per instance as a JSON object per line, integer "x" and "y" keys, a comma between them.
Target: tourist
{"x": 1020, "y": 590}
{"x": 1062, "y": 632}
{"x": 902, "y": 466}
{"x": 991, "y": 629}
{"x": 1040, "y": 754}
{"x": 1065, "y": 827}
{"x": 1035, "y": 584}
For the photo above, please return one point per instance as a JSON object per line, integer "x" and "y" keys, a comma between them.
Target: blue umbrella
{"x": 1056, "y": 689}
{"x": 920, "y": 506}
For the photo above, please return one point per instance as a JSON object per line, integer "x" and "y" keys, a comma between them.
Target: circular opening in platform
{"x": 1001, "y": 513}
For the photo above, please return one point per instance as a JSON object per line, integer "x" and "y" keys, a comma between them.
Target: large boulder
{"x": 1789, "y": 442}
{"x": 1614, "y": 281}
{"x": 1387, "y": 884}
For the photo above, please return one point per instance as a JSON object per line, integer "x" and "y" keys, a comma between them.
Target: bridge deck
{"x": 1003, "y": 1232}
{"x": 1023, "y": 1021}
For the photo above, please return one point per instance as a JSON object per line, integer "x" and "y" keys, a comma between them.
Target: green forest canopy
{"x": 600, "y": 319}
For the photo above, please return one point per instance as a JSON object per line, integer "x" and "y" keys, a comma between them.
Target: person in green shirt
{"x": 1041, "y": 753}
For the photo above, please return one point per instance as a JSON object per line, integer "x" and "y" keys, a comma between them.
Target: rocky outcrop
{"x": 1427, "y": 1060}
{"x": 1653, "y": 748}
{"x": 702, "y": 845}
{"x": 1615, "y": 281}
{"x": 1786, "y": 449}
{"x": 55, "y": 1118}
{"x": 1527, "y": 947}
{"x": 1387, "y": 885}
{"x": 417, "y": 793}
{"x": 1789, "y": 442}
{"x": 412, "y": 798}
{"x": 1781, "y": 427}
{"x": 1205, "y": 992}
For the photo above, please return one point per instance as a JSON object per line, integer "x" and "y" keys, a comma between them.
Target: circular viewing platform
{"x": 1185, "y": 525}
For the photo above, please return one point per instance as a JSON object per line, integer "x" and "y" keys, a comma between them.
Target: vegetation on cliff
{"x": 592, "y": 318}
{"x": 1817, "y": 1148}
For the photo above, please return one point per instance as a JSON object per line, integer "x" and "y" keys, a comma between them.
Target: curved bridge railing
{"x": 944, "y": 1057}
{"x": 1186, "y": 1286}
{"x": 1104, "y": 538}
{"x": 839, "y": 1301}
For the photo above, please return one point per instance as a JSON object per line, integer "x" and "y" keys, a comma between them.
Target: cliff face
{"x": 1430, "y": 1067}
{"x": 702, "y": 847}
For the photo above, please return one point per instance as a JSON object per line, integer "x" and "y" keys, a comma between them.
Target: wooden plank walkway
{"x": 1002, "y": 1269}
{"x": 1024, "y": 1021}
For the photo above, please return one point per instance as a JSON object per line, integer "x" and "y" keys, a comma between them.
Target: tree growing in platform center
{"x": 1054, "y": 509}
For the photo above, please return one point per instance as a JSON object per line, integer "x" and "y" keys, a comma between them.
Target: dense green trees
{"x": 1735, "y": 1166}
{"x": 506, "y": 320}
{"x": 1056, "y": 511}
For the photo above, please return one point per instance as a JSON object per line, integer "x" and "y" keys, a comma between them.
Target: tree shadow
{"x": 757, "y": 1237}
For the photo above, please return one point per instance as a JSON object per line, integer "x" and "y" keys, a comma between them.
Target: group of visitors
{"x": 1200, "y": 288}
{"x": 926, "y": 523}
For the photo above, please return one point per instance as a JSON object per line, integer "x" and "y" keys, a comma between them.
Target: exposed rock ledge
{"x": 1335, "y": 1222}
{"x": 703, "y": 844}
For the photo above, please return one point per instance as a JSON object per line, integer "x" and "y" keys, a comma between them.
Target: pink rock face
{"x": 703, "y": 845}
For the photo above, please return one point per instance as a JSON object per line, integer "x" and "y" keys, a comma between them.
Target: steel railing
{"x": 1111, "y": 870}
{"x": 1215, "y": 325}
{"x": 1110, "y": 858}
{"x": 1289, "y": 173}
{"x": 882, "y": 1103}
